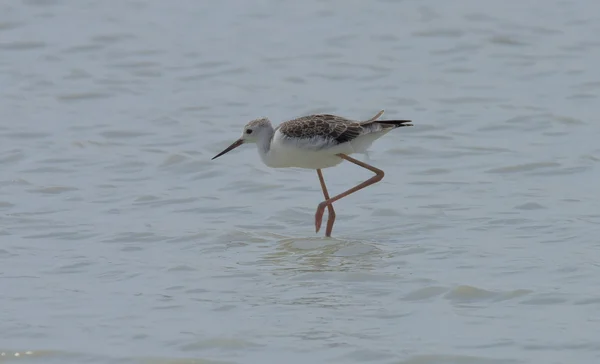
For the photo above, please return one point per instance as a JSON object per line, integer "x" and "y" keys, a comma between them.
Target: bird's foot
{"x": 319, "y": 216}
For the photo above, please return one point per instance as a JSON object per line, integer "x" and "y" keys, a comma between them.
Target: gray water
{"x": 122, "y": 242}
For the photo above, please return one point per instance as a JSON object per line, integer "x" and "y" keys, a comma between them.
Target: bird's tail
{"x": 394, "y": 123}
{"x": 386, "y": 124}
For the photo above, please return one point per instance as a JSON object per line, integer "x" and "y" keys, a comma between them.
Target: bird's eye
{"x": 248, "y": 131}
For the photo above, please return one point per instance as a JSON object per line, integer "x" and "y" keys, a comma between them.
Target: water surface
{"x": 121, "y": 241}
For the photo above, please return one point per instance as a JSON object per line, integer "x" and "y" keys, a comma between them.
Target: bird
{"x": 317, "y": 141}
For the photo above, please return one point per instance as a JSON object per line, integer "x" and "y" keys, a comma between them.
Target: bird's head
{"x": 252, "y": 132}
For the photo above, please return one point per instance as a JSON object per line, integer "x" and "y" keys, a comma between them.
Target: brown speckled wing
{"x": 326, "y": 126}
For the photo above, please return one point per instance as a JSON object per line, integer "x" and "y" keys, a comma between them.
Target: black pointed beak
{"x": 235, "y": 144}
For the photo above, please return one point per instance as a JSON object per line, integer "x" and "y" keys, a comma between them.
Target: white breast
{"x": 314, "y": 153}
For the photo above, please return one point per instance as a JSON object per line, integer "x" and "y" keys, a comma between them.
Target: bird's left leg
{"x": 331, "y": 217}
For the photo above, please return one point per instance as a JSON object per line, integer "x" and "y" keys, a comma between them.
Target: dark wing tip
{"x": 396, "y": 123}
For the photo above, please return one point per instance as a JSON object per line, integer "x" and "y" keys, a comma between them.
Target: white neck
{"x": 264, "y": 144}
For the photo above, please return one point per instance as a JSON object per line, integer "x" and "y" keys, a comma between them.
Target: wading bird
{"x": 316, "y": 142}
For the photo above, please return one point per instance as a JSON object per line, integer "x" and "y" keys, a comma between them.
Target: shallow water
{"x": 121, "y": 241}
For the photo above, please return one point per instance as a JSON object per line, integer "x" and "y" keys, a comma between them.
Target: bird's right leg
{"x": 376, "y": 178}
{"x": 331, "y": 217}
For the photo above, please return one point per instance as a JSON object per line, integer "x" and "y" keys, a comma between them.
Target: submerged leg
{"x": 331, "y": 217}
{"x": 328, "y": 201}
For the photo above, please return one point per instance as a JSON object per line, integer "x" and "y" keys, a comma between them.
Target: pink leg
{"x": 331, "y": 216}
{"x": 328, "y": 201}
